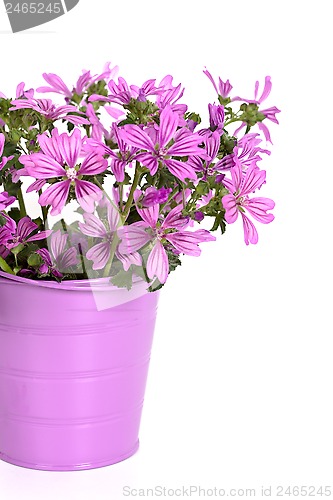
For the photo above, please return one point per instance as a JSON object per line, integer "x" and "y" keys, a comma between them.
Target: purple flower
{"x": 238, "y": 201}
{"x": 216, "y": 120}
{"x": 6, "y": 200}
{"x": 119, "y": 93}
{"x": 59, "y": 159}
{"x": 59, "y": 259}
{"x": 46, "y": 108}
{"x": 170, "y": 96}
{"x": 21, "y": 92}
{"x": 57, "y": 85}
{"x": 206, "y": 166}
{"x": 223, "y": 89}
{"x": 148, "y": 88}
{"x": 158, "y": 151}
{"x": 158, "y": 233}
{"x": 269, "y": 112}
{"x": 100, "y": 253}
{"x": 97, "y": 128}
{"x": 247, "y": 151}
{"x": 4, "y": 160}
{"x": 3, "y": 251}
{"x": 12, "y": 234}
{"x": 152, "y": 196}
{"x": 120, "y": 158}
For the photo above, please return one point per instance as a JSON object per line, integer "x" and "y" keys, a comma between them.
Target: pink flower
{"x": 168, "y": 231}
{"x": 57, "y": 85}
{"x": 170, "y": 96}
{"x": 6, "y": 200}
{"x": 223, "y": 89}
{"x": 269, "y": 112}
{"x": 4, "y": 160}
{"x": 12, "y": 234}
{"x": 100, "y": 252}
{"x": 59, "y": 259}
{"x": 158, "y": 150}
{"x": 59, "y": 160}
{"x": 238, "y": 201}
{"x": 46, "y": 108}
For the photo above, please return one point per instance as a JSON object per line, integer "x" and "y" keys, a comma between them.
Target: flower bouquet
{"x": 140, "y": 186}
{"x": 100, "y": 197}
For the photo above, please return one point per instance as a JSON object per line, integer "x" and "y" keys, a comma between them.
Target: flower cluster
{"x": 139, "y": 169}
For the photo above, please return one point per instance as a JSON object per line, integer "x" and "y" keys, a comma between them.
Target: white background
{"x": 240, "y": 385}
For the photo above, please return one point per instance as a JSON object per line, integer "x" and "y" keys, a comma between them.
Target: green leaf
{"x": 17, "y": 249}
{"x": 35, "y": 260}
{"x": 123, "y": 279}
{"x": 15, "y": 214}
{"x": 2, "y": 220}
{"x": 5, "y": 267}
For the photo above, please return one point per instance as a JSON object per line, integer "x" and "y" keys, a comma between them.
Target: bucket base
{"x": 68, "y": 468}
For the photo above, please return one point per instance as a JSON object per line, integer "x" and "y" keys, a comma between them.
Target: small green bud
{"x": 35, "y": 260}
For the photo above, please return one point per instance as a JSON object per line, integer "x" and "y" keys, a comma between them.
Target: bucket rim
{"x": 82, "y": 285}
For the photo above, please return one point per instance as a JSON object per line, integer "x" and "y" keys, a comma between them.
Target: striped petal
{"x": 135, "y": 136}
{"x": 250, "y": 232}
{"x": 258, "y": 207}
{"x": 56, "y": 196}
{"x": 158, "y": 263}
{"x": 44, "y": 167}
{"x": 93, "y": 226}
{"x": 168, "y": 126}
{"x": 93, "y": 164}
{"x": 99, "y": 254}
{"x": 180, "y": 169}
{"x": 86, "y": 194}
{"x": 132, "y": 239}
{"x": 231, "y": 208}
{"x": 58, "y": 243}
{"x": 70, "y": 147}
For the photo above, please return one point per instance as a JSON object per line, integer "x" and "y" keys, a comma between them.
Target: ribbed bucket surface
{"x": 73, "y": 370}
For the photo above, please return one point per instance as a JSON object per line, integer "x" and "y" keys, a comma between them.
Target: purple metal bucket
{"x": 74, "y": 359}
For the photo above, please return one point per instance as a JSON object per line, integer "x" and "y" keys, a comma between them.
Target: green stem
{"x": 129, "y": 202}
{"x": 44, "y": 210}
{"x": 23, "y": 211}
{"x": 121, "y": 194}
{"x": 124, "y": 216}
{"x": 231, "y": 121}
{"x": 113, "y": 249}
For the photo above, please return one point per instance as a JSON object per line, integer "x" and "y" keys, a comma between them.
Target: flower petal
{"x": 93, "y": 226}
{"x": 168, "y": 126}
{"x": 149, "y": 161}
{"x": 70, "y": 147}
{"x": 135, "y": 136}
{"x": 86, "y": 194}
{"x": 58, "y": 243}
{"x": 99, "y": 254}
{"x": 180, "y": 169}
{"x": 258, "y": 207}
{"x": 250, "y": 232}
{"x": 44, "y": 167}
{"x": 158, "y": 263}
{"x": 132, "y": 239}
{"x": 231, "y": 208}
{"x": 129, "y": 259}
{"x": 50, "y": 145}
{"x": 25, "y": 227}
{"x": 56, "y": 196}
{"x": 93, "y": 164}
